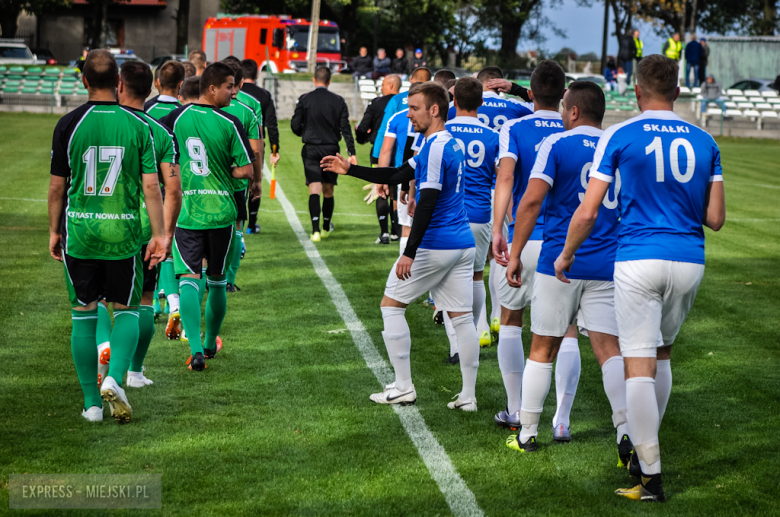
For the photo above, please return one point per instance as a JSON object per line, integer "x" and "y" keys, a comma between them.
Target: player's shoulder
{"x": 136, "y": 118}
{"x": 75, "y": 116}
{"x": 151, "y": 102}
{"x": 227, "y": 117}
{"x": 399, "y": 115}
{"x": 156, "y": 124}
{"x": 254, "y": 91}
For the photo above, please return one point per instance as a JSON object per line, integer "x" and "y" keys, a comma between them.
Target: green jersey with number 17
{"x": 247, "y": 117}
{"x": 212, "y": 142}
{"x": 102, "y": 149}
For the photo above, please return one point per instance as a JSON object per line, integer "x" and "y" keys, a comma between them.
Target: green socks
{"x": 189, "y": 297}
{"x": 103, "y": 325}
{"x": 235, "y": 259}
{"x": 124, "y": 340}
{"x": 85, "y": 356}
{"x": 145, "y": 334}
{"x": 168, "y": 280}
{"x": 202, "y": 287}
{"x": 216, "y": 308}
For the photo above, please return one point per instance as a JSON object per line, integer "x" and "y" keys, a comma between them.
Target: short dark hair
{"x": 189, "y": 69}
{"x": 322, "y": 75}
{"x": 488, "y": 73}
{"x": 656, "y": 76}
{"x": 449, "y": 84}
{"x": 434, "y": 93}
{"x": 234, "y": 65}
{"x": 589, "y": 98}
{"x": 137, "y": 78}
{"x": 197, "y": 57}
{"x": 249, "y": 69}
{"x": 190, "y": 88}
{"x": 421, "y": 75}
{"x": 100, "y": 69}
{"x": 548, "y": 82}
{"x": 468, "y": 93}
{"x": 170, "y": 74}
{"x": 443, "y": 75}
{"x": 214, "y": 75}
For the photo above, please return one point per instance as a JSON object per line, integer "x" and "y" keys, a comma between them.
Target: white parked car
{"x": 15, "y": 52}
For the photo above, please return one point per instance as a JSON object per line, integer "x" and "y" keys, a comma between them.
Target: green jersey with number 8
{"x": 212, "y": 142}
{"x": 247, "y": 117}
{"x": 102, "y": 149}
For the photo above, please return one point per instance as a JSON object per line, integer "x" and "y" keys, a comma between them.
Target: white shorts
{"x": 652, "y": 300}
{"x": 447, "y": 274}
{"x": 483, "y": 234}
{"x": 557, "y": 305}
{"x": 516, "y": 298}
{"x": 403, "y": 216}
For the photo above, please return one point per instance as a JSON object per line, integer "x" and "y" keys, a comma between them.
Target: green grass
{"x": 281, "y": 424}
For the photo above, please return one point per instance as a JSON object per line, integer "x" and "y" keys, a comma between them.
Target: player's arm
{"x": 256, "y": 187}
{"x": 57, "y": 187}
{"x": 242, "y": 153}
{"x": 382, "y": 175}
{"x": 346, "y": 132}
{"x": 504, "y": 185}
{"x": 386, "y": 154}
{"x": 172, "y": 202}
{"x": 525, "y": 221}
{"x": 715, "y": 206}
{"x": 270, "y": 122}
{"x": 363, "y": 130}
{"x": 298, "y": 119}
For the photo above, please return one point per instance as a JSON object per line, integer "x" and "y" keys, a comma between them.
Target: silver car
{"x": 15, "y": 52}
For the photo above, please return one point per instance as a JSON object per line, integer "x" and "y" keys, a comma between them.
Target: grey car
{"x": 762, "y": 85}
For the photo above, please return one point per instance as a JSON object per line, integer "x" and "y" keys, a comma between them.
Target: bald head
{"x": 391, "y": 84}
{"x": 100, "y": 70}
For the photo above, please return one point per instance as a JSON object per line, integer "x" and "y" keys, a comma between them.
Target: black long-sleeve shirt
{"x": 368, "y": 128}
{"x": 519, "y": 91}
{"x": 263, "y": 96}
{"x": 321, "y": 118}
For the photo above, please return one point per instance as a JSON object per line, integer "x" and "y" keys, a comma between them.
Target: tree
{"x": 11, "y": 9}
{"x": 509, "y": 17}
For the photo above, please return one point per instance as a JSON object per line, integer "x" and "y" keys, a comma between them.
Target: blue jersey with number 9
{"x": 480, "y": 149}
{"x": 666, "y": 166}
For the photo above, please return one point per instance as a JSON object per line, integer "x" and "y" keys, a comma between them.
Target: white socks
{"x": 398, "y": 341}
{"x": 478, "y": 307}
{"x": 451, "y": 335}
{"x": 173, "y": 302}
{"x": 536, "y": 386}
{"x": 614, "y": 379}
{"x": 402, "y": 241}
{"x": 643, "y": 421}
{"x": 567, "y": 376}
{"x": 510, "y": 361}
{"x": 469, "y": 354}
{"x": 493, "y": 285}
{"x": 663, "y": 386}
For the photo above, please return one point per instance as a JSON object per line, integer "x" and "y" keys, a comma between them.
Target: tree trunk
{"x": 97, "y": 24}
{"x": 510, "y": 35}
{"x": 104, "y": 24}
{"x": 606, "y": 35}
{"x": 770, "y": 17}
{"x": 9, "y": 14}
{"x": 693, "y": 17}
{"x": 182, "y": 25}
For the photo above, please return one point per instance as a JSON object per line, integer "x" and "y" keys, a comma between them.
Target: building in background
{"x": 735, "y": 58}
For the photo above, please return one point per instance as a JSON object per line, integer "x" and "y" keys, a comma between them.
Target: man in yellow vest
{"x": 673, "y": 47}
{"x": 639, "y": 46}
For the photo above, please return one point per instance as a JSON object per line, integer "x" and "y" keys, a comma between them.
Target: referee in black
{"x": 321, "y": 118}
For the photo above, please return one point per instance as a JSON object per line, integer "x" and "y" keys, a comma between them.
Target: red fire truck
{"x": 283, "y": 39}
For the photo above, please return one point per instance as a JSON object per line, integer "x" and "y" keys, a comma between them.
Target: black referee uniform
{"x": 321, "y": 118}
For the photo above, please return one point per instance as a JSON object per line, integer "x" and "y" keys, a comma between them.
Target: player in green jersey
{"x": 252, "y": 126}
{"x": 214, "y": 150}
{"x": 135, "y": 83}
{"x": 102, "y": 160}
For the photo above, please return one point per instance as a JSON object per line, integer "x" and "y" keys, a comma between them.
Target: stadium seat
{"x": 34, "y": 70}
{"x": 15, "y": 77}
{"x": 739, "y": 98}
{"x": 46, "y": 91}
{"x": 366, "y": 88}
{"x": 403, "y": 89}
{"x": 16, "y": 70}
{"x": 774, "y": 101}
{"x": 611, "y": 107}
{"x": 10, "y": 90}
{"x": 3, "y": 69}
{"x": 368, "y": 96}
{"x": 769, "y": 93}
{"x": 29, "y": 90}
{"x": 696, "y": 90}
{"x": 733, "y": 91}
{"x": 684, "y": 90}
{"x": 12, "y": 84}
{"x": 714, "y": 111}
{"x": 755, "y": 100}
{"x": 763, "y": 106}
{"x": 733, "y": 113}
{"x": 745, "y": 105}
{"x": 751, "y": 93}
{"x": 406, "y": 84}
{"x": 365, "y": 82}
{"x": 69, "y": 79}
{"x": 751, "y": 113}
{"x": 769, "y": 114}
{"x": 70, "y": 71}
{"x": 625, "y": 107}
{"x": 730, "y": 104}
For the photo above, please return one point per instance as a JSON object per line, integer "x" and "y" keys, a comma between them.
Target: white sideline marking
{"x": 24, "y": 199}
{"x": 305, "y": 212}
{"x": 458, "y": 496}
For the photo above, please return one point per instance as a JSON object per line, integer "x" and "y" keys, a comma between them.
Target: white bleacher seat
{"x": 378, "y": 82}
{"x": 733, "y": 113}
{"x": 684, "y": 89}
{"x": 366, "y": 82}
{"x": 751, "y": 93}
{"x": 745, "y": 105}
{"x": 773, "y": 100}
{"x": 403, "y": 89}
{"x": 769, "y": 114}
{"x": 714, "y": 111}
{"x": 739, "y": 98}
{"x": 696, "y": 90}
{"x": 406, "y": 84}
{"x": 367, "y": 88}
{"x": 755, "y": 100}
{"x": 769, "y": 93}
{"x": 763, "y": 106}
{"x": 367, "y": 96}
{"x": 733, "y": 91}
{"x": 730, "y": 104}
{"x": 751, "y": 113}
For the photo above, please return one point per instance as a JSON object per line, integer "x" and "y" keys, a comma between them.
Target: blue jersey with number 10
{"x": 440, "y": 166}
{"x": 480, "y": 148}
{"x": 520, "y": 139}
{"x": 564, "y": 161}
{"x": 666, "y": 166}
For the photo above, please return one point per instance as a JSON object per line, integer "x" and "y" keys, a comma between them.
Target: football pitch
{"x": 280, "y": 423}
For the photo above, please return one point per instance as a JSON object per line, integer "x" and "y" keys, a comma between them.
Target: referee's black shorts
{"x": 312, "y": 155}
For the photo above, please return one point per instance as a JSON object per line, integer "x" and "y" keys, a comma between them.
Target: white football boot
{"x": 138, "y": 379}
{"x": 93, "y": 414}
{"x": 390, "y": 395}
{"x": 112, "y": 393}
{"x": 464, "y": 405}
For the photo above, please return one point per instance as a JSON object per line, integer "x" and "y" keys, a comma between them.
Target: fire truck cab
{"x": 277, "y": 42}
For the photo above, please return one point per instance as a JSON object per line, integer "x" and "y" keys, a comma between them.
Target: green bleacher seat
{"x": 16, "y": 69}
{"x": 3, "y": 69}
{"x": 29, "y": 90}
{"x": 611, "y": 107}
{"x": 70, "y": 71}
{"x": 626, "y": 107}
{"x": 50, "y": 78}
{"x": 14, "y": 77}
{"x": 10, "y": 90}
{"x": 34, "y": 70}
{"x": 12, "y": 84}
{"x": 46, "y": 91}
{"x": 69, "y": 79}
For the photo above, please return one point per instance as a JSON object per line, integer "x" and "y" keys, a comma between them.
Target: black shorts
{"x": 190, "y": 247}
{"x": 240, "y": 197}
{"x": 118, "y": 281}
{"x": 312, "y": 155}
{"x": 150, "y": 275}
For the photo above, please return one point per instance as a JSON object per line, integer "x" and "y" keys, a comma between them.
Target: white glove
{"x": 372, "y": 195}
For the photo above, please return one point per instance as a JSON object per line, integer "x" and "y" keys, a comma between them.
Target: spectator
{"x": 80, "y": 63}
{"x": 198, "y": 58}
{"x": 400, "y": 64}
{"x": 711, "y": 93}
{"x": 626, "y": 53}
{"x": 776, "y": 84}
{"x": 381, "y": 64}
{"x": 693, "y": 53}
{"x": 639, "y": 47}
{"x": 418, "y": 60}
{"x": 362, "y": 64}
{"x": 703, "y": 60}
{"x": 672, "y": 48}
{"x": 610, "y": 75}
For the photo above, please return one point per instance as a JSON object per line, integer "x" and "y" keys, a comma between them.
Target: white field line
{"x": 306, "y": 212}
{"x": 458, "y": 496}
{"x": 24, "y": 199}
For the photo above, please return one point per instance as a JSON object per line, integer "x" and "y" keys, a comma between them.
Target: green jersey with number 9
{"x": 212, "y": 142}
{"x": 102, "y": 149}
{"x": 247, "y": 117}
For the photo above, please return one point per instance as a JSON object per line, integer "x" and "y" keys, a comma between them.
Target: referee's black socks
{"x": 314, "y": 212}
{"x": 382, "y": 211}
{"x": 327, "y": 212}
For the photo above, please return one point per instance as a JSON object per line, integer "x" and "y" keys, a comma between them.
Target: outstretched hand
{"x": 337, "y": 164}
{"x": 501, "y": 85}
